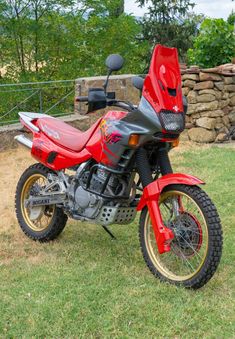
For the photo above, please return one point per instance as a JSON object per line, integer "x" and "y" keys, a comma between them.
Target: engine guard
{"x": 150, "y": 198}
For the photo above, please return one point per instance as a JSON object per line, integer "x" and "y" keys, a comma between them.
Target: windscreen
{"x": 162, "y": 85}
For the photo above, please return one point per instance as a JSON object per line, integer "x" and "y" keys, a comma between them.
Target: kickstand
{"x": 109, "y": 232}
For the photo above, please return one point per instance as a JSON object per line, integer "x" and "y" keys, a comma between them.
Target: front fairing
{"x": 162, "y": 85}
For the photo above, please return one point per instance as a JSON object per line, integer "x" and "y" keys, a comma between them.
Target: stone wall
{"x": 211, "y": 98}
{"x": 211, "y": 109}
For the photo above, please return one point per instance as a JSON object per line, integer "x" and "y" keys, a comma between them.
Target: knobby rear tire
{"x": 59, "y": 218}
{"x": 215, "y": 238}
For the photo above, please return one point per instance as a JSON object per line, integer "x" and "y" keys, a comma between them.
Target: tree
{"x": 215, "y": 44}
{"x": 167, "y": 22}
{"x": 118, "y": 9}
{"x": 231, "y": 18}
{"x": 23, "y": 29}
{"x": 44, "y": 39}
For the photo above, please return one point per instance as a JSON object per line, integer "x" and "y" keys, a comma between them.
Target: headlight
{"x": 171, "y": 121}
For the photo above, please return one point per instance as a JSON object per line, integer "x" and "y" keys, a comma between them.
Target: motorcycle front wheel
{"x": 197, "y": 245}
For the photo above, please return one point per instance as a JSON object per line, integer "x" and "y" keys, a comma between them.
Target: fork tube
{"x": 164, "y": 161}
{"x": 163, "y": 235}
{"x": 143, "y": 167}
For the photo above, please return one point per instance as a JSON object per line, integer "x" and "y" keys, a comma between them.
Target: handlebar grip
{"x": 81, "y": 99}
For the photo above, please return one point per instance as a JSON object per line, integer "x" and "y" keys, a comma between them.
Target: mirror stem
{"x": 107, "y": 81}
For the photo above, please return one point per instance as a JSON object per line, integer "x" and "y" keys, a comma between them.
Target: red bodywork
{"x": 69, "y": 145}
{"x": 162, "y": 85}
{"x": 150, "y": 197}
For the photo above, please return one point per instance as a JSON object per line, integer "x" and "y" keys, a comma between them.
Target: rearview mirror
{"x": 138, "y": 82}
{"x": 114, "y": 62}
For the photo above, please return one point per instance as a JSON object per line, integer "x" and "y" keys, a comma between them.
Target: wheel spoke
{"x": 33, "y": 188}
{"x": 190, "y": 228}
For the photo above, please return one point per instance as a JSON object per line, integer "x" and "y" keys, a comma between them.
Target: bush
{"x": 215, "y": 44}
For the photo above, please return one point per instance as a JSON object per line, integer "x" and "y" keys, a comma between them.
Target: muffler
{"x": 21, "y": 139}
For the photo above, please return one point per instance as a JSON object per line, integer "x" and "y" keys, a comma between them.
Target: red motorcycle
{"x": 120, "y": 166}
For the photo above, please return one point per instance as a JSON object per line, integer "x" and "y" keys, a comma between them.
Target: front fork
{"x": 163, "y": 235}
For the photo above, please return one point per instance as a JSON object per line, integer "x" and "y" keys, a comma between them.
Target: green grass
{"x": 86, "y": 285}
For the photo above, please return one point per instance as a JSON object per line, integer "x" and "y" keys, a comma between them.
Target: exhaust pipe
{"x": 21, "y": 139}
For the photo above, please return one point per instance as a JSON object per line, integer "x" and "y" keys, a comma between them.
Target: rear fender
{"x": 153, "y": 190}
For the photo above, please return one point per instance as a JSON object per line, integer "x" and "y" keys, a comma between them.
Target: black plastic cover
{"x": 96, "y": 99}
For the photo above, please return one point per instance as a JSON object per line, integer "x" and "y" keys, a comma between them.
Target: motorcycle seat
{"x": 65, "y": 135}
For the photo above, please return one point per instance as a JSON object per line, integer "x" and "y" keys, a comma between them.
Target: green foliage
{"x": 169, "y": 23}
{"x": 215, "y": 44}
{"x": 231, "y": 18}
{"x": 51, "y": 40}
{"x": 44, "y": 39}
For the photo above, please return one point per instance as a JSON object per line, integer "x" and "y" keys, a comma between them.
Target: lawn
{"x": 86, "y": 285}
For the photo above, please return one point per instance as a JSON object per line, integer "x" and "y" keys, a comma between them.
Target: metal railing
{"x": 55, "y": 98}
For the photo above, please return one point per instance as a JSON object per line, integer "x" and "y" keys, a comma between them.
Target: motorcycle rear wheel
{"x": 43, "y": 223}
{"x": 197, "y": 246}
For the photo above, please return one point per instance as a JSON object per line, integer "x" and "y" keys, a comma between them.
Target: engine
{"x": 91, "y": 189}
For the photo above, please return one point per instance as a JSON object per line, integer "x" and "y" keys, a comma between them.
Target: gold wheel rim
{"x": 160, "y": 260}
{"x": 47, "y": 212}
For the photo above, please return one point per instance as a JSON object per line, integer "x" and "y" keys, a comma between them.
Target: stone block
{"x": 226, "y": 121}
{"x": 224, "y": 103}
{"x": 191, "y": 109}
{"x": 192, "y": 97}
{"x": 225, "y": 95}
{"x": 201, "y": 135}
{"x": 184, "y": 136}
{"x": 214, "y": 92}
{"x": 204, "y": 85}
{"x": 185, "y": 91}
{"x": 208, "y": 123}
{"x": 232, "y": 100}
{"x": 232, "y": 117}
{"x": 229, "y": 88}
{"x": 221, "y": 137}
{"x": 206, "y": 106}
{"x": 213, "y": 114}
{"x": 189, "y": 83}
{"x": 205, "y": 98}
{"x": 219, "y": 85}
{"x": 209, "y": 76}
{"x": 229, "y": 80}
{"x": 194, "y": 77}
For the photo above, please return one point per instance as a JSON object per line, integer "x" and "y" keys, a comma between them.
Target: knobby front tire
{"x": 197, "y": 247}
{"x": 43, "y": 223}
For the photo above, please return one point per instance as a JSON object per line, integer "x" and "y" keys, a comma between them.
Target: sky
{"x": 210, "y": 8}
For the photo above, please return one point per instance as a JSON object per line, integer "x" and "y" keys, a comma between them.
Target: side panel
{"x": 110, "y": 140}
{"x": 54, "y": 156}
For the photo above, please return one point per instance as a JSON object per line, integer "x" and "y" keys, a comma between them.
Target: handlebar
{"x": 110, "y": 102}
{"x": 81, "y": 99}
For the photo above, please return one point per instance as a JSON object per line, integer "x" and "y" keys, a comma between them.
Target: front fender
{"x": 153, "y": 190}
